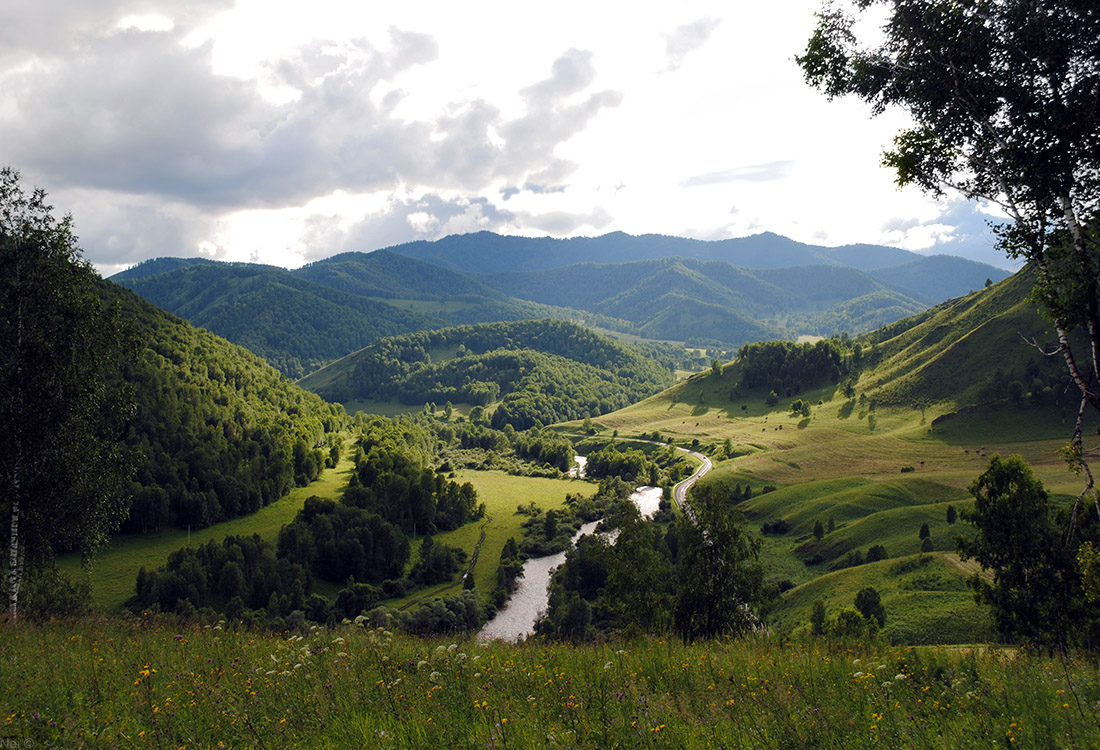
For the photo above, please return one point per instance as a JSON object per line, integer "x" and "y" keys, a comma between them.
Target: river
{"x": 518, "y": 616}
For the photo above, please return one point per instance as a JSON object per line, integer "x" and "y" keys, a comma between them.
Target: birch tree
{"x": 1004, "y": 100}
{"x": 63, "y": 466}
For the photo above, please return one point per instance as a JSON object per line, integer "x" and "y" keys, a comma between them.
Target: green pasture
{"x": 114, "y": 571}
{"x": 501, "y": 494}
{"x": 159, "y": 683}
{"x": 925, "y": 597}
{"x": 878, "y": 473}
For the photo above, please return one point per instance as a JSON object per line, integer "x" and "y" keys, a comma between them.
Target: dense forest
{"x": 541, "y": 371}
{"x": 393, "y": 495}
{"x": 218, "y": 433}
{"x": 295, "y": 324}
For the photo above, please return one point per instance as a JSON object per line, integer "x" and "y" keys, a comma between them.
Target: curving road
{"x": 679, "y": 492}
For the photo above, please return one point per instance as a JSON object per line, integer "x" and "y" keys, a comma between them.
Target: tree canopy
{"x": 63, "y": 465}
{"x": 1003, "y": 100}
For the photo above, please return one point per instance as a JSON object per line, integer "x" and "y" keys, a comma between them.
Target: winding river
{"x": 517, "y": 619}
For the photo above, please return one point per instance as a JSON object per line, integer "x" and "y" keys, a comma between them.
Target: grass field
{"x": 501, "y": 493}
{"x": 878, "y": 474}
{"x": 115, "y": 569}
{"x": 158, "y": 684}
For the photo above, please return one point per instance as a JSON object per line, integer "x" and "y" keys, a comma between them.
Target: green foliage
{"x": 220, "y": 432}
{"x": 869, "y": 604}
{"x": 721, "y": 583}
{"x": 785, "y": 365}
{"x": 392, "y": 479}
{"x": 817, "y": 618}
{"x": 63, "y": 465}
{"x": 213, "y": 574}
{"x": 333, "y": 541}
{"x": 1036, "y": 593}
{"x": 541, "y": 371}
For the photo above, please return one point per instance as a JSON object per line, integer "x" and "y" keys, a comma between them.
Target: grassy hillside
{"x": 162, "y": 684}
{"x": 929, "y": 406}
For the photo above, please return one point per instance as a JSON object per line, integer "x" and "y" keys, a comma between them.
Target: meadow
{"x": 134, "y": 683}
{"x": 501, "y": 493}
{"x": 877, "y": 474}
{"x": 115, "y": 568}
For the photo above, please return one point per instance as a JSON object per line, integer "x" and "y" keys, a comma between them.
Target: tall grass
{"x": 112, "y": 683}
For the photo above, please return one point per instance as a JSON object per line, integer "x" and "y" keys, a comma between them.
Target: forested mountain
{"x": 486, "y": 252}
{"x": 299, "y": 320}
{"x": 293, "y": 323}
{"x": 540, "y": 371}
{"x": 218, "y": 432}
{"x": 683, "y": 298}
{"x": 729, "y": 292}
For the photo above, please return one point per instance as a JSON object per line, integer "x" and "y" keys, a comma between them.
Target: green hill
{"x": 302, "y": 319}
{"x": 545, "y": 371}
{"x": 682, "y": 298}
{"x": 966, "y": 351}
{"x": 295, "y": 324}
{"x": 896, "y": 425}
{"x": 219, "y": 432}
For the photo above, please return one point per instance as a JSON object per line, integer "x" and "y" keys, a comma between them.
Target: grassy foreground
{"x": 125, "y": 683}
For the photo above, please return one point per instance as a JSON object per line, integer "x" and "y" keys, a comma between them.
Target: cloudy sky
{"x": 284, "y": 132}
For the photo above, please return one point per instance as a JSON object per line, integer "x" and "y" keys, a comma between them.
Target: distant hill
{"x": 293, "y": 323}
{"x": 220, "y": 433}
{"x": 531, "y": 372}
{"x": 671, "y": 288}
{"x": 299, "y": 320}
{"x": 486, "y": 252}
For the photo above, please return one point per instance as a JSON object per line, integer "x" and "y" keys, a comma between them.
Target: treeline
{"x": 392, "y": 478}
{"x": 786, "y": 366}
{"x": 656, "y": 466}
{"x": 362, "y": 541}
{"x": 542, "y": 371}
{"x": 698, "y": 578}
{"x": 218, "y": 432}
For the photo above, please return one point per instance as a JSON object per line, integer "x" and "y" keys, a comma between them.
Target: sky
{"x": 286, "y": 132}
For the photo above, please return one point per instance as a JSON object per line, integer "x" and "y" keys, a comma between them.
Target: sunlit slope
{"x": 963, "y": 350}
{"x": 931, "y": 401}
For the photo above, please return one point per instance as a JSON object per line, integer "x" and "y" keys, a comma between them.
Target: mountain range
{"x": 725, "y": 292}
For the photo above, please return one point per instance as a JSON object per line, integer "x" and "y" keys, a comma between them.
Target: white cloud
{"x": 286, "y": 131}
{"x": 686, "y": 39}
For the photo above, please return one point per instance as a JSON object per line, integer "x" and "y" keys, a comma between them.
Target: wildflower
{"x": 899, "y": 676}
{"x": 435, "y": 677}
{"x": 607, "y": 666}
{"x": 421, "y": 664}
{"x": 440, "y": 649}
{"x": 453, "y": 647}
